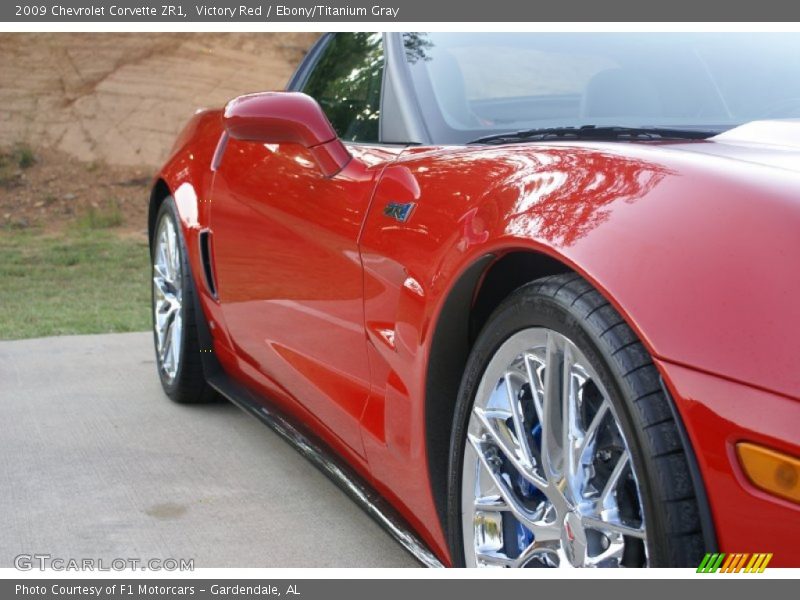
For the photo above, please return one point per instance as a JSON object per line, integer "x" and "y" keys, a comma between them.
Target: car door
{"x": 290, "y": 279}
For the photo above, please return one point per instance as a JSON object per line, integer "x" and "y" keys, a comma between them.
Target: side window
{"x": 346, "y": 81}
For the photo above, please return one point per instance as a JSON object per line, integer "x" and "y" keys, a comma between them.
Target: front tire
{"x": 178, "y": 352}
{"x": 599, "y": 476}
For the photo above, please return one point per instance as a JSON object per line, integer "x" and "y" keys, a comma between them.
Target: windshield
{"x": 471, "y": 85}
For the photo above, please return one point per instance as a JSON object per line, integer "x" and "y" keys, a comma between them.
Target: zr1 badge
{"x": 400, "y": 211}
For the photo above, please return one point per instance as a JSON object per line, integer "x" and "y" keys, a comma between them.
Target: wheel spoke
{"x": 613, "y": 479}
{"x": 170, "y": 253}
{"x": 614, "y": 552}
{"x": 176, "y": 256}
{"x": 166, "y": 338}
{"x": 535, "y": 549}
{"x": 490, "y": 504}
{"x": 551, "y": 426}
{"x": 482, "y": 447}
{"x": 163, "y": 254}
{"x": 601, "y": 525}
{"x": 533, "y": 382}
{"x": 164, "y": 318}
{"x": 581, "y": 455}
{"x": 494, "y": 559}
{"x": 539, "y": 530}
{"x": 163, "y": 285}
{"x": 568, "y": 401}
{"x": 176, "y": 329}
{"x": 591, "y": 430}
{"x": 519, "y": 423}
{"x": 522, "y": 466}
{"x": 160, "y": 275}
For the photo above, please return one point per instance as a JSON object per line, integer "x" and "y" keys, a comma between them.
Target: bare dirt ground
{"x": 98, "y": 113}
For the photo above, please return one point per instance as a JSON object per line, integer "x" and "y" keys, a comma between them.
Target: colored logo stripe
{"x": 734, "y": 563}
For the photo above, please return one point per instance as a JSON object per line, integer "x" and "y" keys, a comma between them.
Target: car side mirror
{"x": 283, "y": 118}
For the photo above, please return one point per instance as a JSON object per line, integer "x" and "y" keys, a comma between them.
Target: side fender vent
{"x": 205, "y": 257}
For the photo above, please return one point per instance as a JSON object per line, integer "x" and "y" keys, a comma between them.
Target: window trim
{"x": 300, "y": 76}
{"x": 398, "y": 90}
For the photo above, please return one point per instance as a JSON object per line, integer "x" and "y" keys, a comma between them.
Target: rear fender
{"x": 188, "y": 176}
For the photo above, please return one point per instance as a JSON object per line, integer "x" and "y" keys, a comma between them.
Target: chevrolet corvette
{"x": 532, "y": 298}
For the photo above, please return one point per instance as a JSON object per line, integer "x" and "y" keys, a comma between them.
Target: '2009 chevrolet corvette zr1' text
{"x": 538, "y": 292}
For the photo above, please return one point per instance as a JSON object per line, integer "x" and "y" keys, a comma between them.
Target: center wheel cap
{"x": 573, "y": 539}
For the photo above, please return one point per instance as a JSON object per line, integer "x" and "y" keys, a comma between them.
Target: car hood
{"x": 773, "y": 143}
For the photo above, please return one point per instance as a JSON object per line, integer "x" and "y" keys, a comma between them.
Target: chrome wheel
{"x": 167, "y": 298}
{"x": 547, "y": 478}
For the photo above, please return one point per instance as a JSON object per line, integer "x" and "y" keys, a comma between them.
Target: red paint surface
{"x": 328, "y": 307}
{"x": 277, "y": 117}
{"x": 717, "y": 414}
{"x": 286, "y": 118}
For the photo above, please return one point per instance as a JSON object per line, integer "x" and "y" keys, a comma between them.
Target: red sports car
{"x": 533, "y": 299}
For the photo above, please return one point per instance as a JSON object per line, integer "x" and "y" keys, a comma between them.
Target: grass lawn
{"x": 81, "y": 280}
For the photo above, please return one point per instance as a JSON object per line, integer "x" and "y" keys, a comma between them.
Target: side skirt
{"x": 331, "y": 465}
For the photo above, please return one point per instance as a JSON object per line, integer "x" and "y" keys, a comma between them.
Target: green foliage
{"x": 105, "y": 217}
{"x": 347, "y": 84}
{"x": 73, "y": 282}
{"x": 21, "y": 156}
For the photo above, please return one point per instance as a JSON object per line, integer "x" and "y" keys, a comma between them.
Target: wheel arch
{"x": 158, "y": 194}
{"x": 479, "y": 289}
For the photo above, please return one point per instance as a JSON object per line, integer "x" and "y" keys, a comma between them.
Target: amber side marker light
{"x": 772, "y": 471}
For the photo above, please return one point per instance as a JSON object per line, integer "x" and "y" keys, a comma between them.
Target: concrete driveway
{"x": 96, "y": 462}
